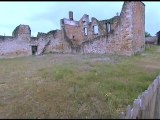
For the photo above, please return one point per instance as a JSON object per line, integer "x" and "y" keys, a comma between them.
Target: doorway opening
{"x": 34, "y": 49}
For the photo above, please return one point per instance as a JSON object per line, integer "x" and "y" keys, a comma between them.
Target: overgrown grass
{"x": 74, "y": 86}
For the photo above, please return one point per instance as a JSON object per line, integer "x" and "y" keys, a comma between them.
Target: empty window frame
{"x": 95, "y": 29}
{"x": 85, "y": 31}
{"x": 109, "y": 26}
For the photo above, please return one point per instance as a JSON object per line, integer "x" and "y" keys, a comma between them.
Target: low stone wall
{"x": 147, "y": 105}
{"x": 14, "y": 48}
{"x": 151, "y": 40}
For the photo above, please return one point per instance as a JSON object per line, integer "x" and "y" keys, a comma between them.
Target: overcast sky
{"x": 45, "y": 16}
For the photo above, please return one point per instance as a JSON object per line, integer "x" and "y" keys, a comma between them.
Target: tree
{"x": 158, "y": 37}
{"x": 147, "y": 34}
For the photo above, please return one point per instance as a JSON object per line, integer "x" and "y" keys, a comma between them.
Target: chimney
{"x": 70, "y": 15}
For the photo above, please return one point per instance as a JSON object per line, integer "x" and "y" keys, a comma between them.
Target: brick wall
{"x": 127, "y": 37}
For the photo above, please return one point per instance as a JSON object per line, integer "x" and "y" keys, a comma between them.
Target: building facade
{"x": 123, "y": 34}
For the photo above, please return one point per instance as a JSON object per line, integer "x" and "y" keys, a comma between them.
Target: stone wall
{"x": 17, "y": 44}
{"x": 57, "y": 44}
{"x": 12, "y": 48}
{"x": 50, "y": 42}
{"x": 151, "y": 40}
{"x": 21, "y": 42}
{"x": 98, "y": 45}
{"x": 123, "y": 35}
{"x": 138, "y": 42}
{"x": 22, "y": 32}
{"x": 76, "y": 32}
{"x": 126, "y": 40}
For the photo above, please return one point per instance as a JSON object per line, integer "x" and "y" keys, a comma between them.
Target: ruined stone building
{"x": 123, "y": 34}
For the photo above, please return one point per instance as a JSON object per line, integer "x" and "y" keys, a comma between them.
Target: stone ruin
{"x": 123, "y": 34}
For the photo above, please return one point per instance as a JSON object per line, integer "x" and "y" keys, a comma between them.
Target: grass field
{"x": 74, "y": 86}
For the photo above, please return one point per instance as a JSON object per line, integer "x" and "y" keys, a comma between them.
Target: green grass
{"x": 74, "y": 86}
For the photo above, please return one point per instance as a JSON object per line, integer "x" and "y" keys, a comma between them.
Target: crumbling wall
{"x": 128, "y": 37}
{"x": 21, "y": 42}
{"x": 104, "y": 41}
{"x": 72, "y": 31}
{"x": 22, "y": 32}
{"x": 17, "y": 44}
{"x": 14, "y": 48}
{"x": 75, "y": 30}
{"x": 96, "y": 46}
{"x": 77, "y": 33}
{"x": 41, "y": 42}
{"x": 151, "y": 40}
{"x": 125, "y": 35}
{"x": 50, "y": 42}
{"x": 57, "y": 44}
{"x": 138, "y": 18}
{"x": 120, "y": 41}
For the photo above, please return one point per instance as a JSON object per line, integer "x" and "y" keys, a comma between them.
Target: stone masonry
{"x": 123, "y": 34}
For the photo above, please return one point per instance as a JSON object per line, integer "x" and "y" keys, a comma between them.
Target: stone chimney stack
{"x": 70, "y": 15}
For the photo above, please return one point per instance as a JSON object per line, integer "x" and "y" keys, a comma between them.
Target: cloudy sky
{"x": 45, "y": 16}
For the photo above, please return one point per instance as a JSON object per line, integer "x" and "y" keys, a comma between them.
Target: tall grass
{"x": 74, "y": 86}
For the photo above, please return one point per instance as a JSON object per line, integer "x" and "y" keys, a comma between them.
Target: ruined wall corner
{"x": 22, "y": 32}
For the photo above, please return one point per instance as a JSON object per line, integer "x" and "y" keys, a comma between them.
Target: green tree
{"x": 147, "y": 34}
